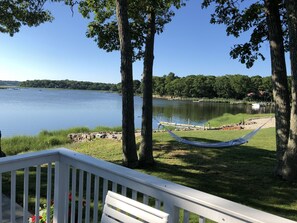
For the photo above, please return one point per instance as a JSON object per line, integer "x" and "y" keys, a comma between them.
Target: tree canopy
{"x": 202, "y": 86}
{"x": 104, "y": 27}
{"x": 15, "y": 13}
{"x": 241, "y": 17}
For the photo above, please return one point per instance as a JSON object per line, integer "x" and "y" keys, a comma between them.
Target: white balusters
{"x": 37, "y": 193}
{"x": 134, "y": 194}
{"x": 186, "y": 217}
{"x": 124, "y": 190}
{"x": 13, "y": 195}
{"x": 105, "y": 189}
{"x": 80, "y": 195}
{"x": 88, "y": 198}
{"x": 145, "y": 199}
{"x": 96, "y": 198}
{"x": 157, "y": 204}
{"x": 114, "y": 187}
{"x": 26, "y": 195}
{"x": 73, "y": 195}
{"x": 202, "y": 219}
{"x": 49, "y": 193}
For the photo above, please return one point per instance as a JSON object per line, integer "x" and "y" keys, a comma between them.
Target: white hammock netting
{"x": 231, "y": 143}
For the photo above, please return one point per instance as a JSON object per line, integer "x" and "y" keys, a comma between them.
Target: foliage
{"x": 9, "y": 83}
{"x": 68, "y": 84}
{"x": 242, "y": 18}
{"x": 104, "y": 27}
{"x": 15, "y": 13}
{"x": 200, "y": 86}
{"x": 79, "y": 85}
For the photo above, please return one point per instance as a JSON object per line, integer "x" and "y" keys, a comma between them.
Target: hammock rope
{"x": 235, "y": 142}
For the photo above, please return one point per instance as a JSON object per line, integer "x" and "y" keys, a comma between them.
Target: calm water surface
{"x": 28, "y": 111}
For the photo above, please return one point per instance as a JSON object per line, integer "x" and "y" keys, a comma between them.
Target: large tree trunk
{"x": 290, "y": 158}
{"x": 146, "y": 147}
{"x": 128, "y": 140}
{"x": 279, "y": 79}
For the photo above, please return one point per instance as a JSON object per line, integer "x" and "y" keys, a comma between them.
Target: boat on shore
{"x": 256, "y": 106}
{"x": 181, "y": 125}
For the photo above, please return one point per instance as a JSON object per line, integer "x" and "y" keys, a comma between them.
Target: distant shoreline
{"x": 213, "y": 100}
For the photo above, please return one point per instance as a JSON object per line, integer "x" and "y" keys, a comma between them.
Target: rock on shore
{"x": 79, "y": 137}
{"x": 82, "y": 137}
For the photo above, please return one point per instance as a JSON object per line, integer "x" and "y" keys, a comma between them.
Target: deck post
{"x": 60, "y": 194}
{"x": 172, "y": 211}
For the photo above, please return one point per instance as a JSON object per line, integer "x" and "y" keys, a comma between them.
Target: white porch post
{"x": 60, "y": 194}
{"x": 172, "y": 211}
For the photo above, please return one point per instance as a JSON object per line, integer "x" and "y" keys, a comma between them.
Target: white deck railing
{"x": 55, "y": 174}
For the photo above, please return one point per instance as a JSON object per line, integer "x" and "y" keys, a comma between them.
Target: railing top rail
{"x": 185, "y": 193}
{"x": 10, "y": 163}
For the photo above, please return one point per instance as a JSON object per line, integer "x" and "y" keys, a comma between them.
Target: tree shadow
{"x": 244, "y": 174}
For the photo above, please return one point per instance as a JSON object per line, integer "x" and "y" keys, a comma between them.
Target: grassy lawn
{"x": 227, "y": 119}
{"x": 243, "y": 174}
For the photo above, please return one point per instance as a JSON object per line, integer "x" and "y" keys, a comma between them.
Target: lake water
{"x": 28, "y": 111}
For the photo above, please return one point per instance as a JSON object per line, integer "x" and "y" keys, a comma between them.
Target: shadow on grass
{"x": 244, "y": 174}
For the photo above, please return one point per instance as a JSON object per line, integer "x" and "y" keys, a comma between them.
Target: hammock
{"x": 231, "y": 143}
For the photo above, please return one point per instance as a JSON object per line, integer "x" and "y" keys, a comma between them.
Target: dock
{"x": 180, "y": 125}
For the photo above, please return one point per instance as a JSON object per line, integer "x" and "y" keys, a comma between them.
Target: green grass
{"x": 228, "y": 119}
{"x": 45, "y": 140}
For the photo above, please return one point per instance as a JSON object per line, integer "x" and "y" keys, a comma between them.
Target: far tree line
{"x": 69, "y": 84}
{"x": 193, "y": 86}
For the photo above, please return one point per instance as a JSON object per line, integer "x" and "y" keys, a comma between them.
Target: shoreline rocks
{"x": 79, "y": 137}
{"x": 89, "y": 136}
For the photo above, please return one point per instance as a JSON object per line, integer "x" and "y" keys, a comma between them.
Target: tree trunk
{"x": 146, "y": 147}
{"x": 290, "y": 158}
{"x": 279, "y": 81}
{"x": 128, "y": 138}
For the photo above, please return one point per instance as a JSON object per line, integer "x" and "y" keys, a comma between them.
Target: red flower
{"x": 34, "y": 218}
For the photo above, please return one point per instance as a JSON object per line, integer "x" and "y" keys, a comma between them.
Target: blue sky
{"x": 60, "y": 50}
